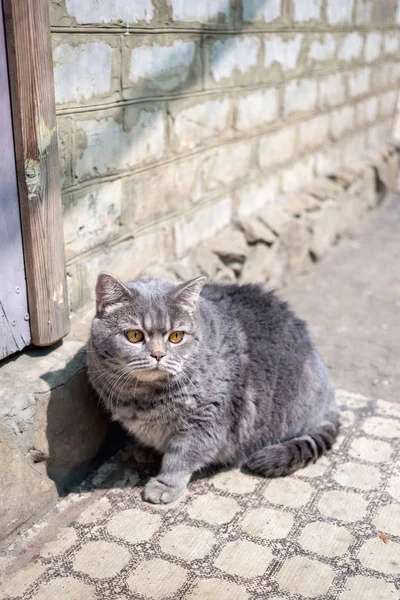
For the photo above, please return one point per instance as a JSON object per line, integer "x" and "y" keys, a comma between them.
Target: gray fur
{"x": 245, "y": 387}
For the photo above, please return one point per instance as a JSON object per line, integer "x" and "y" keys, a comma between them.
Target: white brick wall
{"x": 256, "y": 11}
{"x": 201, "y": 12}
{"x": 339, "y": 11}
{"x": 302, "y": 171}
{"x": 313, "y": 132}
{"x": 387, "y": 103}
{"x": 110, "y": 11}
{"x": 367, "y": 111}
{"x": 234, "y": 53}
{"x": 373, "y": 43}
{"x": 307, "y": 11}
{"x": 300, "y": 96}
{"x": 284, "y": 51}
{"x": 323, "y": 49}
{"x": 332, "y": 90}
{"x": 342, "y": 120}
{"x": 257, "y": 109}
{"x": 81, "y": 72}
{"x": 256, "y": 195}
{"x": 359, "y": 82}
{"x": 110, "y": 149}
{"x": 277, "y": 148}
{"x": 391, "y": 42}
{"x": 351, "y": 46}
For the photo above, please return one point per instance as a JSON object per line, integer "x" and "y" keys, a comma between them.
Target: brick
{"x": 200, "y": 12}
{"x": 232, "y": 58}
{"x": 193, "y": 228}
{"x": 197, "y": 122}
{"x": 322, "y": 49}
{"x": 299, "y": 175}
{"x": 300, "y": 96}
{"x": 367, "y": 111}
{"x": 257, "y": 109}
{"x": 339, "y": 11}
{"x": 255, "y": 196}
{"x": 313, "y": 132}
{"x": 342, "y": 120}
{"x": 307, "y": 11}
{"x": 328, "y": 160}
{"x": 255, "y": 11}
{"x": 359, "y": 82}
{"x": 84, "y": 71}
{"x": 382, "y": 76}
{"x": 159, "y": 192}
{"x": 364, "y": 12}
{"x": 387, "y": 103}
{"x": 107, "y": 146}
{"x": 372, "y": 49}
{"x": 160, "y": 64}
{"x": 332, "y": 90}
{"x": 395, "y": 73}
{"x": 104, "y": 11}
{"x": 227, "y": 165}
{"x": 283, "y": 51}
{"x": 353, "y": 147}
{"x": 91, "y": 217}
{"x": 350, "y": 47}
{"x": 398, "y": 12}
{"x": 391, "y": 43}
{"x": 277, "y": 148}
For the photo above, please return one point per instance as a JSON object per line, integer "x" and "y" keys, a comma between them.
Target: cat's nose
{"x": 157, "y": 355}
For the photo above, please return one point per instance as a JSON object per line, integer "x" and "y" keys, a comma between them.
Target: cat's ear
{"x": 109, "y": 291}
{"x": 186, "y": 294}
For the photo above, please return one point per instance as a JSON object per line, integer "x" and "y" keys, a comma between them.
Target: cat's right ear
{"x": 109, "y": 291}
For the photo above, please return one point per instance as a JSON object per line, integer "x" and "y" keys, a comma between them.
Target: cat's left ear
{"x": 187, "y": 294}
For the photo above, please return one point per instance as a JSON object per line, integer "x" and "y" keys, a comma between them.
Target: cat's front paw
{"x": 157, "y": 492}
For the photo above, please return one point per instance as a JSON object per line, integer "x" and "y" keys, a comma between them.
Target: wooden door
{"x": 14, "y": 317}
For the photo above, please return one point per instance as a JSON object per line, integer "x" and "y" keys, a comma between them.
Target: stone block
{"x": 298, "y": 175}
{"x": 350, "y": 47}
{"x": 292, "y": 250}
{"x": 158, "y": 192}
{"x": 86, "y": 71}
{"x": 254, "y": 196}
{"x": 328, "y": 160}
{"x": 391, "y": 42}
{"x": 232, "y": 60}
{"x": 363, "y": 14}
{"x": 339, "y": 11}
{"x": 382, "y": 76}
{"x": 257, "y": 267}
{"x": 307, "y": 11}
{"x": 359, "y": 82}
{"x": 230, "y": 245}
{"x": 324, "y": 225}
{"x": 206, "y": 221}
{"x": 227, "y": 165}
{"x": 300, "y": 97}
{"x": 277, "y": 147}
{"x": 313, "y": 132}
{"x": 379, "y": 133}
{"x": 367, "y": 111}
{"x": 373, "y": 44}
{"x": 91, "y": 216}
{"x": 323, "y": 188}
{"x": 258, "y": 12}
{"x": 256, "y": 231}
{"x": 160, "y": 64}
{"x": 353, "y": 147}
{"x": 322, "y": 49}
{"x": 99, "y": 12}
{"x": 108, "y": 144}
{"x": 194, "y": 123}
{"x": 274, "y": 217}
{"x": 342, "y": 120}
{"x": 206, "y": 261}
{"x": 282, "y": 51}
{"x": 206, "y": 13}
{"x": 332, "y": 90}
{"x": 257, "y": 109}
{"x": 387, "y": 103}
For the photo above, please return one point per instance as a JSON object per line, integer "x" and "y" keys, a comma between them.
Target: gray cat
{"x": 213, "y": 375}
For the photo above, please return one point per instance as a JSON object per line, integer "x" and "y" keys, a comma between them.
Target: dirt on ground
{"x": 351, "y": 301}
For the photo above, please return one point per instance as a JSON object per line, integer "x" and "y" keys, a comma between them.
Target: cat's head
{"x": 148, "y": 326}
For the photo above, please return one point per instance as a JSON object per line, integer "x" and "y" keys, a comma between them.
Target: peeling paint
{"x": 32, "y": 177}
{"x": 44, "y": 135}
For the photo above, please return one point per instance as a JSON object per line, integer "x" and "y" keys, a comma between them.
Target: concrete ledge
{"x": 52, "y": 427}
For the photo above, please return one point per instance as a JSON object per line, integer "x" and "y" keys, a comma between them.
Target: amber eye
{"x": 134, "y": 335}
{"x": 176, "y": 336}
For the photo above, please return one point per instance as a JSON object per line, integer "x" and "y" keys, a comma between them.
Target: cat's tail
{"x": 282, "y": 459}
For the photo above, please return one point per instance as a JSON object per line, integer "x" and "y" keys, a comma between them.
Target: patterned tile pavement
{"x": 330, "y": 531}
